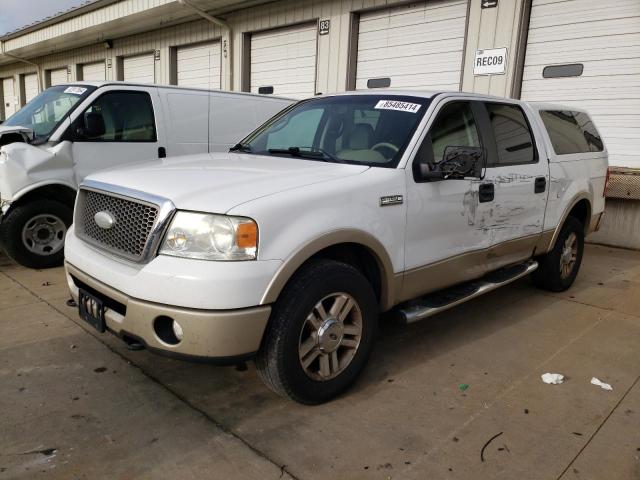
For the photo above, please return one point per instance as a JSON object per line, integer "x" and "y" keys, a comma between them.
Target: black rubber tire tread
{"x": 547, "y": 276}
{"x": 11, "y": 232}
{"x": 277, "y": 360}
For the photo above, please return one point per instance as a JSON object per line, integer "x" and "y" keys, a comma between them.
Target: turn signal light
{"x": 247, "y": 235}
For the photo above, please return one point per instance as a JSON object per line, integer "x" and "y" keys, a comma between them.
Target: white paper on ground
{"x": 604, "y": 386}
{"x": 552, "y": 378}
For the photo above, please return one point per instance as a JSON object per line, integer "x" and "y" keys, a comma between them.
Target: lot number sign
{"x": 490, "y": 62}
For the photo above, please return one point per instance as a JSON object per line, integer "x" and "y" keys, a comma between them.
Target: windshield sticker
{"x": 400, "y": 106}
{"x": 75, "y": 90}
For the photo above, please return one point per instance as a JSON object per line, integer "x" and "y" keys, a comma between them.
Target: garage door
{"x": 285, "y": 59}
{"x": 198, "y": 66}
{"x": 139, "y": 69}
{"x": 57, "y": 76}
{"x": 606, "y": 43}
{"x": 9, "y": 97}
{"x": 93, "y": 72}
{"x": 30, "y": 86}
{"x": 417, "y": 46}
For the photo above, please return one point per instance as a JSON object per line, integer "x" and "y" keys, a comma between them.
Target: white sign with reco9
{"x": 490, "y": 62}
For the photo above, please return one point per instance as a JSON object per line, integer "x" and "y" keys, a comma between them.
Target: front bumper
{"x": 216, "y": 335}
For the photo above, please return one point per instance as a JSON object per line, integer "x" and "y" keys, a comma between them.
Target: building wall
{"x": 487, "y": 28}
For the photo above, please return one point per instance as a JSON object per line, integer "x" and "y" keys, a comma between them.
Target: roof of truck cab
{"x": 423, "y": 94}
{"x": 106, "y": 83}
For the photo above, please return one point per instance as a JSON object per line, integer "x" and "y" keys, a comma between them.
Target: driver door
{"x": 444, "y": 244}
{"x": 117, "y": 128}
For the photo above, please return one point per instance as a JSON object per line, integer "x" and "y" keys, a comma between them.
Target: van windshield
{"x": 45, "y": 112}
{"x": 361, "y": 129}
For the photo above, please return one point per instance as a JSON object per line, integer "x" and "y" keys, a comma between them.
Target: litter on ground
{"x": 604, "y": 386}
{"x": 552, "y": 378}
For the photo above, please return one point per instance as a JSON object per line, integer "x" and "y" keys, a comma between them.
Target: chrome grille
{"x": 129, "y": 235}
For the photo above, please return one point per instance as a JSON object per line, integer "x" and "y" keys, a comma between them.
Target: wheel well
{"x": 357, "y": 256}
{"x": 581, "y": 212}
{"x": 57, "y": 192}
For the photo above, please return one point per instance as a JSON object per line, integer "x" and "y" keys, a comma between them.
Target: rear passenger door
{"x": 514, "y": 218}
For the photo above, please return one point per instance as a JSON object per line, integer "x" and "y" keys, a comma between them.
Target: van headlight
{"x": 211, "y": 237}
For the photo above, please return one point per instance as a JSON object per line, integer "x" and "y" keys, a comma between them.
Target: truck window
{"x": 571, "y": 132}
{"x": 454, "y": 126}
{"x": 300, "y": 129}
{"x": 121, "y": 117}
{"x": 514, "y": 141}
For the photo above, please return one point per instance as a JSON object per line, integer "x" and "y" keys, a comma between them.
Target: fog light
{"x": 177, "y": 330}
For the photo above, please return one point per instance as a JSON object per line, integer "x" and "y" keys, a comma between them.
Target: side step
{"x": 442, "y": 300}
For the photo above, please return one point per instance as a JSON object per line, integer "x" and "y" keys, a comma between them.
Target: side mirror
{"x": 457, "y": 162}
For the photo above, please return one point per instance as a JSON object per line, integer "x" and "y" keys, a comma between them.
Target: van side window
{"x": 453, "y": 127}
{"x": 571, "y": 132}
{"x": 514, "y": 140}
{"x": 120, "y": 117}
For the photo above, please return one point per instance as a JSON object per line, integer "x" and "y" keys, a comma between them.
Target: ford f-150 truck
{"x": 287, "y": 248}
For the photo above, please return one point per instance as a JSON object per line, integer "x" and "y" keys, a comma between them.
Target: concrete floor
{"x": 77, "y": 404}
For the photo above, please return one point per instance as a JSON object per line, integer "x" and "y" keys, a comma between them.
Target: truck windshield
{"x": 45, "y": 112}
{"x": 361, "y": 129}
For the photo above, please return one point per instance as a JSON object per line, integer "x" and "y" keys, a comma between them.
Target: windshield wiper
{"x": 315, "y": 153}
{"x": 240, "y": 147}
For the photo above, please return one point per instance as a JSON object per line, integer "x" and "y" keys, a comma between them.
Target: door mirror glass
{"x": 460, "y": 161}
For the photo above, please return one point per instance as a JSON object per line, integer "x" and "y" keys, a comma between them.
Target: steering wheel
{"x": 390, "y": 146}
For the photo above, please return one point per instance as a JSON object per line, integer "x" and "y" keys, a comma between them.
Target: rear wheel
{"x": 558, "y": 269}
{"x": 33, "y": 234}
{"x": 320, "y": 333}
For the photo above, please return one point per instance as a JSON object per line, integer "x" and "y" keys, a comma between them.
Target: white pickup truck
{"x": 287, "y": 248}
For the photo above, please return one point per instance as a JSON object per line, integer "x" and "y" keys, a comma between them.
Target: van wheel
{"x": 33, "y": 234}
{"x": 320, "y": 334}
{"x": 558, "y": 269}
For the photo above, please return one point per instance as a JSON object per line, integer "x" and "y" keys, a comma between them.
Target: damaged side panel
{"x": 24, "y": 167}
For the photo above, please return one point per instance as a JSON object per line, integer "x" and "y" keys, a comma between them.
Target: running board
{"x": 442, "y": 300}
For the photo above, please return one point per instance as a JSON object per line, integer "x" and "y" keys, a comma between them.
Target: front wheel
{"x": 320, "y": 334}
{"x": 33, "y": 234}
{"x": 558, "y": 268}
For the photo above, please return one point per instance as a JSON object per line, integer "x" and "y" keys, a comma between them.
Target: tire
{"x": 33, "y": 234}
{"x": 550, "y": 274}
{"x": 296, "y": 318}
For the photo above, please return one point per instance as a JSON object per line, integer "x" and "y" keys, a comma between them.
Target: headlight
{"x": 211, "y": 237}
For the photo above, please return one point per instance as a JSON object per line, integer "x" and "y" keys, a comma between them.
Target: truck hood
{"x": 218, "y": 182}
{"x": 27, "y": 132}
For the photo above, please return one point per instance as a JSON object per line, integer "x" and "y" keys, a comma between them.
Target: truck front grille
{"x": 133, "y": 223}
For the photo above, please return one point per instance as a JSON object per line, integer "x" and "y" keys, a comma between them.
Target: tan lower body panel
{"x": 207, "y": 333}
{"x": 467, "y": 266}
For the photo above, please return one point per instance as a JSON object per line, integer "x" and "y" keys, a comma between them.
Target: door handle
{"x": 540, "y": 185}
{"x": 486, "y": 192}
{"x": 162, "y": 152}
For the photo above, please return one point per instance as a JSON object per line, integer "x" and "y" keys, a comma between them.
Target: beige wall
{"x": 493, "y": 28}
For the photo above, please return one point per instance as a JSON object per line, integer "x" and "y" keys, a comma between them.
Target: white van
{"x": 72, "y": 130}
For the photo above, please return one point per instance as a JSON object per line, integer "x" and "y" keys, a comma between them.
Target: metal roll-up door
{"x": 198, "y": 66}
{"x": 139, "y": 69}
{"x": 94, "y": 72}
{"x": 417, "y": 46}
{"x": 9, "y": 97}
{"x": 57, "y": 76}
{"x": 603, "y": 40}
{"x": 30, "y": 86}
{"x": 284, "y": 60}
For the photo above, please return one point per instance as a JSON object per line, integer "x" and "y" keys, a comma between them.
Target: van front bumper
{"x": 220, "y": 336}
